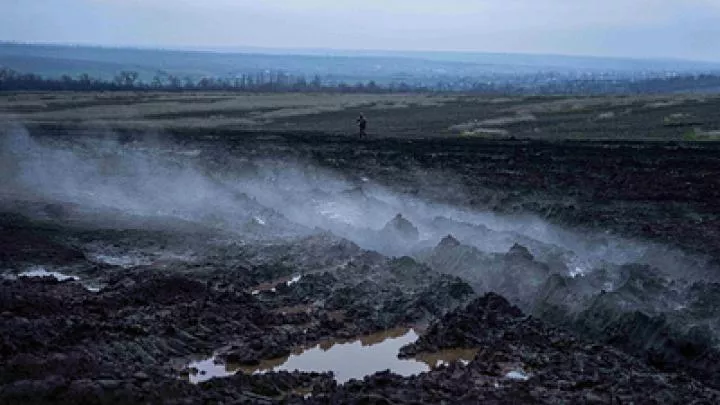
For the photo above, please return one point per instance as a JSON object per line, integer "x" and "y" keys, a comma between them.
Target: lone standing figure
{"x": 362, "y": 124}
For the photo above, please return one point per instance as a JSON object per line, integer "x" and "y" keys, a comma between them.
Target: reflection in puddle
{"x": 346, "y": 359}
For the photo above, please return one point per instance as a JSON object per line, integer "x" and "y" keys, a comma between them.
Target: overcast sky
{"x": 638, "y": 28}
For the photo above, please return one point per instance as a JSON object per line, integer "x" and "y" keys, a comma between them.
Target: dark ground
{"x": 60, "y": 343}
{"x": 667, "y": 118}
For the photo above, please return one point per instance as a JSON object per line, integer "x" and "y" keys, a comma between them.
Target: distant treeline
{"x": 541, "y": 84}
{"x": 11, "y": 80}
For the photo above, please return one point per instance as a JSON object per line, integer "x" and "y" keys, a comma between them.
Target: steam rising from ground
{"x": 108, "y": 180}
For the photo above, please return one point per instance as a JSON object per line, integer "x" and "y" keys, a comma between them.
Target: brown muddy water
{"x": 348, "y": 360}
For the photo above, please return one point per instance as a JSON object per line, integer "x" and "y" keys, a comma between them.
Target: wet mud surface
{"x": 562, "y": 272}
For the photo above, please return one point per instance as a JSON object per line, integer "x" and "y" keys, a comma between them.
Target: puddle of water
{"x": 41, "y": 272}
{"x": 293, "y": 280}
{"x": 358, "y": 359}
{"x": 517, "y": 375}
{"x": 353, "y": 359}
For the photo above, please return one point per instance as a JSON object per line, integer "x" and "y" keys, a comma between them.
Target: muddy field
{"x": 469, "y": 251}
{"x": 669, "y": 118}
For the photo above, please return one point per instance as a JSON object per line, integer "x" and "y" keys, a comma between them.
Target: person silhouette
{"x": 362, "y": 124}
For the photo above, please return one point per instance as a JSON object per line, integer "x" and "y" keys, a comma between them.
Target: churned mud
{"x": 232, "y": 266}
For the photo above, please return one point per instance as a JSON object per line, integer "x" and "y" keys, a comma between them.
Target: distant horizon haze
{"x": 350, "y": 52}
{"x": 638, "y": 29}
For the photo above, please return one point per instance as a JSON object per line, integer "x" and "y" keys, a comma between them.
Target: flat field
{"x": 150, "y": 241}
{"x": 672, "y": 117}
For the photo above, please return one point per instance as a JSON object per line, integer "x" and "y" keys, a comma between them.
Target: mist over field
{"x": 252, "y": 200}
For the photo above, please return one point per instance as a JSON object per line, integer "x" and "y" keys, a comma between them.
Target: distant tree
{"x": 174, "y": 82}
{"x": 316, "y": 83}
{"x": 126, "y": 78}
{"x": 544, "y": 83}
{"x": 7, "y": 74}
{"x": 85, "y": 80}
{"x": 206, "y": 83}
{"x": 160, "y": 79}
{"x": 403, "y": 87}
{"x": 300, "y": 84}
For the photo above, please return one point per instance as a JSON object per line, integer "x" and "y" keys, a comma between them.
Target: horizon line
{"x": 249, "y": 49}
